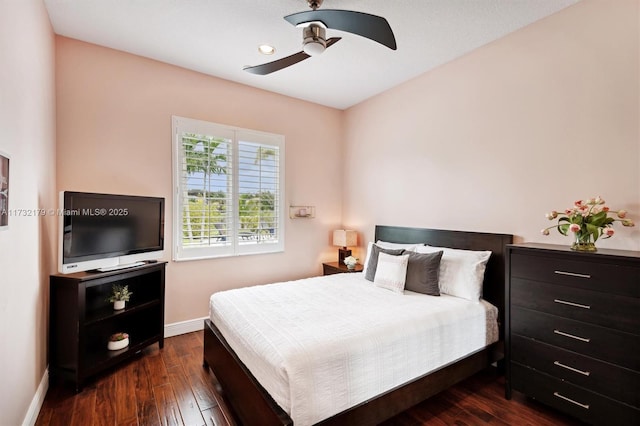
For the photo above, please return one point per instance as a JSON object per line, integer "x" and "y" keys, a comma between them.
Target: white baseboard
{"x": 170, "y": 330}
{"x": 37, "y": 401}
{"x": 184, "y": 327}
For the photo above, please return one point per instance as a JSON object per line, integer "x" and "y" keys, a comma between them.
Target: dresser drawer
{"x": 601, "y": 377}
{"x": 598, "y": 342}
{"x": 587, "y": 406}
{"x": 573, "y": 271}
{"x": 609, "y": 310}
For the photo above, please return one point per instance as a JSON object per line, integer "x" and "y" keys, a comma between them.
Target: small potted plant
{"x": 350, "y": 262}
{"x": 118, "y": 341}
{"x": 119, "y": 296}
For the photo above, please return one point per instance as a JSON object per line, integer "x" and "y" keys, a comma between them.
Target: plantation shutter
{"x": 228, "y": 190}
{"x": 258, "y": 179}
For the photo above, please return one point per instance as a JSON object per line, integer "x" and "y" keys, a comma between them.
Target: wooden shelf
{"x": 82, "y": 319}
{"x": 108, "y": 312}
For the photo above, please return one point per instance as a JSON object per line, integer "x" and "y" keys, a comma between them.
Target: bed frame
{"x": 251, "y": 404}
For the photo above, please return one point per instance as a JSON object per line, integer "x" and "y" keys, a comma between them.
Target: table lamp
{"x": 344, "y": 238}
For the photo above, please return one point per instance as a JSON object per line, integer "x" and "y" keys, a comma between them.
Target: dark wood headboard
{"x": 493, "y": 289}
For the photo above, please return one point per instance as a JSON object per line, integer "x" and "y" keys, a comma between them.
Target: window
{"x": 229, "y": 190}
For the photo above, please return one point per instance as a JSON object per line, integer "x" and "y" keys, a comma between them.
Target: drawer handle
{"x": 584, "y": 373}
{"x": 585, "y": 406}
{"x": 572, "y": 274}
{"x": 562, "y": 333}
{"x": 577, "y": 305}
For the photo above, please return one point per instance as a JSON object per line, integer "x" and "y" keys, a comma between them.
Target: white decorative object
{"x": 351, "y": 262}
{"x": 118, "y": 305}
{"x": 118, "y": 341}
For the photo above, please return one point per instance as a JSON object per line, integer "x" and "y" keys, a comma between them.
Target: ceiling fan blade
{"x": 279, "y": 64}
{"x": 270, "y": 67}
{"x": 372, "y": 27}
{"x": 331, "y": 41}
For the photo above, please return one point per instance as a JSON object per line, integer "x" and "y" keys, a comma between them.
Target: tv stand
{"x": 81, "y": 319}
{"x": 119, "y": 267}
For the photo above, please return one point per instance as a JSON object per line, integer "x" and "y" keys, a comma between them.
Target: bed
{"x": 252, "y": 404}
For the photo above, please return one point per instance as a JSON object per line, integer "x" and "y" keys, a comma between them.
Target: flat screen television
{"x": 108, "y": 231}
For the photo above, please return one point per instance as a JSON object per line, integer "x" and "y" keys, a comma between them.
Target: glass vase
{"x": 584, "y": 242}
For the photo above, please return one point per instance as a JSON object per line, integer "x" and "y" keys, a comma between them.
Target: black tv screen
{"x": 105, "y": 226}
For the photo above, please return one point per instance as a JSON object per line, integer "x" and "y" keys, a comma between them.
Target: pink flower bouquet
{"x": 588, "y": 220}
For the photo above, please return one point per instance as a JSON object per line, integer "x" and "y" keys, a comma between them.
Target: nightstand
{"x": 330, "y": 268}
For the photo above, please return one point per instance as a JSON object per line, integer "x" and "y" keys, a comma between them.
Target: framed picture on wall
{"x": 4, "y": 190}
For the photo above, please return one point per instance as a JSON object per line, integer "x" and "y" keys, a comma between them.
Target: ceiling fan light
{"x": 314, "y": 41}
{"x": 313, "y": 48}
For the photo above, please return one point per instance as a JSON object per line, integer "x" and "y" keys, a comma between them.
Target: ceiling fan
{"x": 314, "y": 24}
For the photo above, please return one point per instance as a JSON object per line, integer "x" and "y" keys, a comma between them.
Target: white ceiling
{"x": 219, "y": 37}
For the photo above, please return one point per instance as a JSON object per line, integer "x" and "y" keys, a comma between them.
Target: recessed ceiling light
{"x": 265, "y": 49}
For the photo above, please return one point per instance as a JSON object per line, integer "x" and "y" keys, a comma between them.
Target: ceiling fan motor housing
{"x": 314, "y": 39}
{"x": 314, "y": 4}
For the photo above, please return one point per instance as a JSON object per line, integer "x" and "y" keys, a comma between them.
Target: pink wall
{"x": 490, "y": 142}
{"x": 495, "y": 139}
{"x": 27, "y": 129}
{"x": 114, "y": 135}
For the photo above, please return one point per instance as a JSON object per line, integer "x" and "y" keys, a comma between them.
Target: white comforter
{"x": 321, "y": 345}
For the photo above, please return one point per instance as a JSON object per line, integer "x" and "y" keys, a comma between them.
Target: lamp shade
{"x": 345, "y": 238}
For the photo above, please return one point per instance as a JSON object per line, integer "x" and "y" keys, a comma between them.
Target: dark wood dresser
{"x": 573, "y": 330}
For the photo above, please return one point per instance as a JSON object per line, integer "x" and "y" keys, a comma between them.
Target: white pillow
{"x": 461, "y": 271}
{"x": 394, "y": 246}
{"x": 391, "y": 272}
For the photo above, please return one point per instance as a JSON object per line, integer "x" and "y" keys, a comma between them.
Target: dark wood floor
{"x": 170, "y": 387}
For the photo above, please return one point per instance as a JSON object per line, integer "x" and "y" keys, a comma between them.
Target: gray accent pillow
{"x": 372, "y": 263}
{"x": 423, "y": 273}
